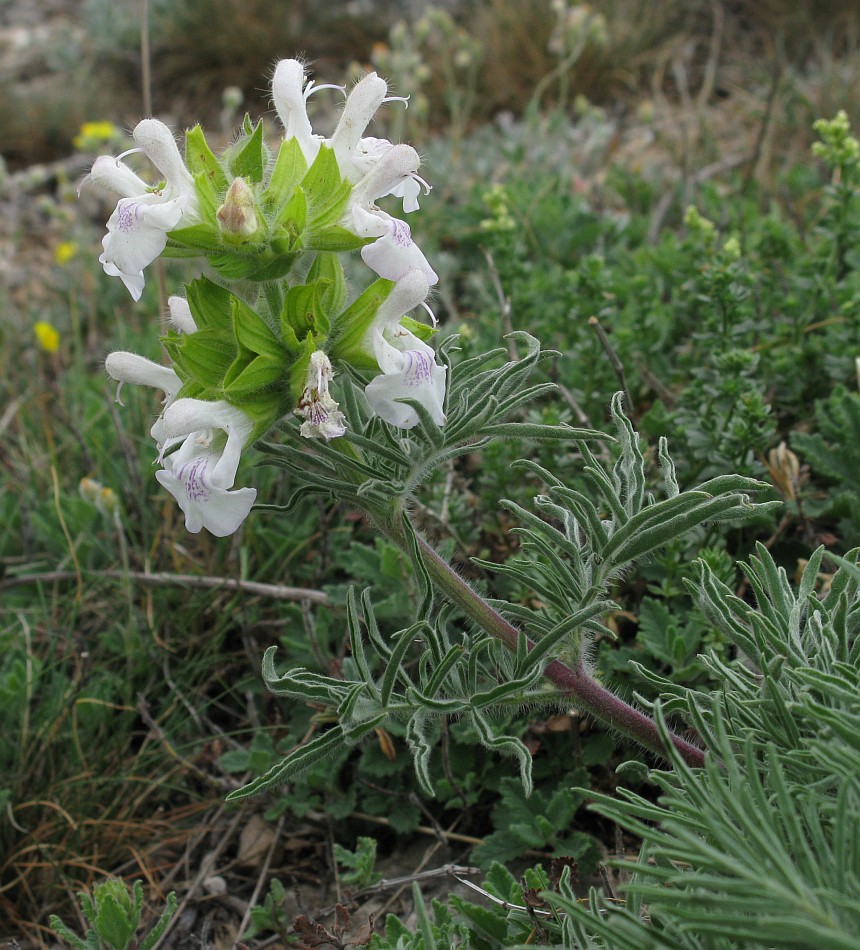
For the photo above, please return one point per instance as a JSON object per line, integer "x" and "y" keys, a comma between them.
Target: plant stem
{"x": 584, "y": 691}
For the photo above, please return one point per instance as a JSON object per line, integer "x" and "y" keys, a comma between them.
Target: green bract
{"x": 297, "y": 208}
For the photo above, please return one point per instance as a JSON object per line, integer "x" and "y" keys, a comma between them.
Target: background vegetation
{"x": 564, "y": 156}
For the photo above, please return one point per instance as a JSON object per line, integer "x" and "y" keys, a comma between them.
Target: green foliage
{"x": 833, "y": 452}
{"x": 539, "y": 821}
{"x": 571, "y": 567}
{"x": 270, "y": 915}
{"x": 360, "y": 863}
{"x": 114, "y": 915}
{"x": 729, "y": 326}
{"x": 441, "y": 932}
{"x": 758, "y": 849}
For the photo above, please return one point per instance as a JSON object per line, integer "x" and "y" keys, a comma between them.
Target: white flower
{"x": 201, "y": 472}
{"x": 407, "y": 364}
{"x": 359, "y": 157}
{"x": 409, "y": 371}
{"x": 290, "y": 97}
{"x": 394, "y": 253}
{"x": 322, "y": 415}
{"x": 138, "y": 227}
{"x": 355, "y": 156}
{"x": 127, "y": 367}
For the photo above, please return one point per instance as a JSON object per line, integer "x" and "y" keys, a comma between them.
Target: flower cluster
{"x": 244, "y": 359}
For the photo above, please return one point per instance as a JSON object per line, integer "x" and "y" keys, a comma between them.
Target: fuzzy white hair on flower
{"x": 290, "y": 98}
{"x": 395, "y": 172}
{"x": 322, "y": 415}
{"x": 179, "y": 315}
{"x": 201, "y": 472}
{"x": 137, "y": 230}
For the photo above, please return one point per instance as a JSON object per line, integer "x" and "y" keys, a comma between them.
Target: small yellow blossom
{"x": 65, "y": 251}
{"x": 93, "y": 134}
{"x": 101, "y": 496}
{"x": 46, "y": 336}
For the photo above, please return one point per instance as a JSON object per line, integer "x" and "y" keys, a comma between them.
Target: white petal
{"x": 367, "y": 223}
{"x": 395, "y": 254}
{"x": 409, "y": 292}
{"x": 361, "y": 104}
{"x": 186, "y": 416}
{"x": 130, "y": 368}
{"x": 137, "y": 231}
{"x": 220, "y": 512}
{"x": 421, "y": 379}
{"x": 180, "y": 315}
{"x": 388, "y": 357}
{"x": 366, "y": 156}
{"x": 409, "y": 189}
{"x": 134, "y": 282}
{"x": 159, "y": 145}
{"x": 115, "y": 177}
{"x": 224, "y": 471}
{"x": 288, "y": 93}
{"x": 397, "y": 164}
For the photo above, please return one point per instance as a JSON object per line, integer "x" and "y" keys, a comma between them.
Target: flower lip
{"x": 409, "y": 371}
{"x": 394, "y": 254}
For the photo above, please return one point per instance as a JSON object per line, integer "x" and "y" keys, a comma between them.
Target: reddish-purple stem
{"x": 584, "y": 691}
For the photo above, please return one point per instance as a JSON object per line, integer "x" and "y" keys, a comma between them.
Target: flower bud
{"x": 237, "y": 217}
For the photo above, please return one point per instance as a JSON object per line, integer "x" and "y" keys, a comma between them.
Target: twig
{"x": 507, "y": 905}
{"x": 9, "y": 414}
{"x": 387, "y": 883}
{"x": 659, "y": 387}
{"x": 271, "y": 591}
{"x": 764, "y": 125}
{"x": 145, "y": 59}
{"x": 615, "y": 362}
{"x": 710, "y": 75}
{"x": 504, "y": 303}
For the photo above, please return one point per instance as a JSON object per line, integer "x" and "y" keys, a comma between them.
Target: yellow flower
{"x": 46, "y": 336}
{"x": 65, "y": 251}
{"x": 93, "y": 134}
{"x": 101, "y": 496}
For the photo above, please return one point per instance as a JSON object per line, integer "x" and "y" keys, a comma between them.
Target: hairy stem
{"x": 584, "y": 691}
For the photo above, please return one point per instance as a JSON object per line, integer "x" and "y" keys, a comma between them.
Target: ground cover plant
{"x": 669, "y": 454}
